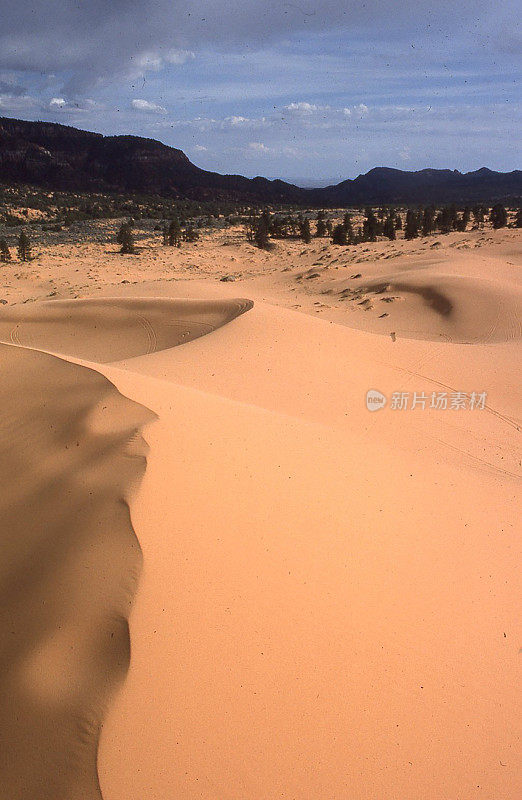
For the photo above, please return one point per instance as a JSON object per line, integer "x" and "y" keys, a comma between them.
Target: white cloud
{"x": 237, "y": 121}
{"x": 259, "y": 147}
{"x": 179, "y": 56}
{"x": 62, "y": 105}
{"x": 302, "y": 108}
{"x": 147, "y": 107}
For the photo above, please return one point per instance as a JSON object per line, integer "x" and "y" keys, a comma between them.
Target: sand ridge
{"x": 109, "y": 329}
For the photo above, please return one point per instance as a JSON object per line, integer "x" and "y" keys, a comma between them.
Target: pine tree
{"x": 329, "y": 227}
{"x": 5, "y": 254}
{"x": 190, "y": 234}
{"x": 444, "y": 220}
{"x": 320, "y": 231}
{"x": 165, "y": 234}
{"x": 428, "y": 221}
{"x": 371, "y": 226}
{"x": 479, "y": 213}
{"x": 389, "y": 228}
{"x": 518, "y": 219}
{"x": 266, "y": 217}
{"x": 261, "y": 235}
{"x": 411, "y": 230}
{"x": 174, "y": 233}
{"x": 24, "y": 247}
{"x": 304, "y": 230}
{"x": 498, "y": 216}
{"x": 398, "y": 222}
{"x": 348, "y": 227}
{"x": 122, "y": 233}
{"x": 127, "y": 240}
{"x": 339, "y": 235}
{"x": 460, "y": 224}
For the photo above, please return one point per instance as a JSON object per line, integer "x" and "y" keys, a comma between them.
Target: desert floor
{"x": 223, "y": 577}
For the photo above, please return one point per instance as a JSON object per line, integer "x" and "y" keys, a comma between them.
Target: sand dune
{"x": 454, "y": 299}
{"x": 70, "y": 451}
{"x": 109, "y": 330}
{"x": 327, "y": 602}
{"x": 342, "y": 621}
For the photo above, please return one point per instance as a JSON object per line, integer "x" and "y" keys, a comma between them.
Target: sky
{"x": 306, "y": 91}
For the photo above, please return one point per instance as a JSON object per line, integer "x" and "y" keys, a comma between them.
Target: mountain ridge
{"x": 61, "y": 157}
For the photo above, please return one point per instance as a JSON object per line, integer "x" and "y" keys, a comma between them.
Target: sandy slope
{"x": 327, "y": 604}
{"x": 104, "y": 330}
{"x": 70, "y": 450}
{"x": 342, "y": 619}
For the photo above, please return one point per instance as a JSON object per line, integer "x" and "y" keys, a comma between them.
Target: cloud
{"x": 147, "y": 107}
{"x": 63, "y": 106}
{"x": 259, "y": 147}
{"x": 93, "y": 41}
{"x": 301, "y": 108}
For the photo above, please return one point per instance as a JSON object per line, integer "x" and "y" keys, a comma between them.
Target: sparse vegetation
{"x": 262, "y": 235}
{"x": 305, "y": 231}
{"x": 24, "y": 247}
{"x": 5, "y": 253}
{"x": 125, "y": 237}
{"x": 498, "y": 216}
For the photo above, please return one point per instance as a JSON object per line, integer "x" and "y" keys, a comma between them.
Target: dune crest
{"x": 111, "y": 329}
{"x": 70, "y": 450}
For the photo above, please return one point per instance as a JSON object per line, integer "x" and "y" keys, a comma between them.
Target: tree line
{"x": 384, "y": 222}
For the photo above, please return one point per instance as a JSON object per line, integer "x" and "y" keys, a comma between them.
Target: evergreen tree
{"x": 261, "y": 235}
{"x": 329, "y": 227}
{"x": 398, "y": 222}
{"x": 24, "y": 247}
{"x": 411, "y": 230}
{"x": 518, "y": 219}
{"x": 466, "y": 216}
{"x": 267, "y": 219}
{"x": 347, "y": 225}
{"x": 460, "y": 224}
{"x": 479, "y": 213}
{"x": 321, "y": 225}
{"x": 165, "y": 234}
{"x": 444, "y": 220}
{"x": 320, "y": 231}
{"x": 123, "y": 231}
{"x": 428, "y": 221}
{"x": 498, "y": 216}
{"x": 389, "y": 228}
{"x": 190, "y": 234}
{"x": 127, "y": 240}
{"x": 174, "y": 236}
{"x": 339, "y": 235}
{"x": 251, "y": 226}
{"x": 5, "y": 254}
{"x": 371, "y": 226}
{"x": 306, "y": 233}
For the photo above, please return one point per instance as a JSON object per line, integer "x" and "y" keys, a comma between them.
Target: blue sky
{"x": 307, "y": 91}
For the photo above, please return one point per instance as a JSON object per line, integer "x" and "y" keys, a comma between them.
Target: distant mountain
{"x": 57, "y": 157}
